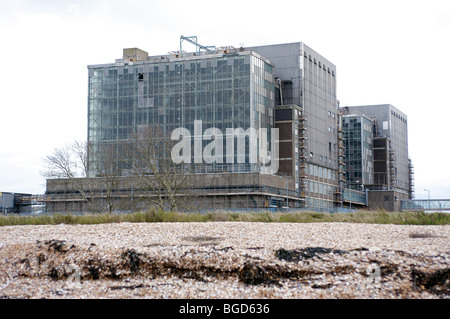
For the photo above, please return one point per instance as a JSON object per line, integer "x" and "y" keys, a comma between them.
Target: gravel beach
{"x": 225, "y": 260}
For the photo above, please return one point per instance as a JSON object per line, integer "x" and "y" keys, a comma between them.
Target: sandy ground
{"x": 225, "y": 260}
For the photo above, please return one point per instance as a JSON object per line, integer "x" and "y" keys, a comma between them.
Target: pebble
{"x": 184, "y": 256}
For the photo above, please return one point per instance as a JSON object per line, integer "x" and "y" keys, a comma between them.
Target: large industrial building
{"x": 301, "y": 150}
{"x": 307, "y": 82}
{"x": 376, "y": 140}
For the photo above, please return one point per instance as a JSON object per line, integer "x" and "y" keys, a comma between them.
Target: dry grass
{"x": 153, "y": 215}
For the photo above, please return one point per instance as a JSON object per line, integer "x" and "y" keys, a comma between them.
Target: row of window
{"x": 325, "y": 159}
{"x": 319, "y": 204}
{"x": 311, "y": 59}
{"x": 401, "y": 118}
{"x": 320, "y": 188}
{"x": 322, "y": 172}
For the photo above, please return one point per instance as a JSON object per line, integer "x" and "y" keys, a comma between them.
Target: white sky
{"x": 386, "y": 52}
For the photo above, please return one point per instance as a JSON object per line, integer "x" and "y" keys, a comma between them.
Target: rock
{"x": 437, "y": 282}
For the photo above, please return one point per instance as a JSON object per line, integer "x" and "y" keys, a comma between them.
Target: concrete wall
{"x": 134, "y": 54}
{"x": 199, "y": 180}
{"x": 386, "y": 199}
{"x": 203, "y": 191}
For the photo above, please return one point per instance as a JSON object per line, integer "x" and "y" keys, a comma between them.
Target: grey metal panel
{"x": 318, "y": 57}
{"x": 288, "y": 61}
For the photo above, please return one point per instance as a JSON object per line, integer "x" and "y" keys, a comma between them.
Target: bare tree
{"x": 103, "y": 162}
{"x": 72, "y": 164}
{"x": 69, "y": 163}
{"x": 95, "y": 172}
{"x": 163, "y": 182}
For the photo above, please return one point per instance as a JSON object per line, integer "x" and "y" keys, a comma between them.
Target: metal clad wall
{"x": 285, "y": 59}
{"x": 391, "y": 122}
{"x": 313, "y": 87}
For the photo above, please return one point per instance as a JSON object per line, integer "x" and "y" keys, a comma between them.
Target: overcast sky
{"x": 386, "y": 52}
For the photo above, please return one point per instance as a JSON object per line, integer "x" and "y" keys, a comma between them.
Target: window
{"x": 386, "y": 198}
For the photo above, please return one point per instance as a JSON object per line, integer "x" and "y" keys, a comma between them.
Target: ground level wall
{"x": 389, "y": 200}
{"x": 211, "y": 192}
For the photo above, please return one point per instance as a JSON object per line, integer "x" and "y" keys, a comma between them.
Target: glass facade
{"x": 222, "y": 90}
{"x": 358, "y": 143}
